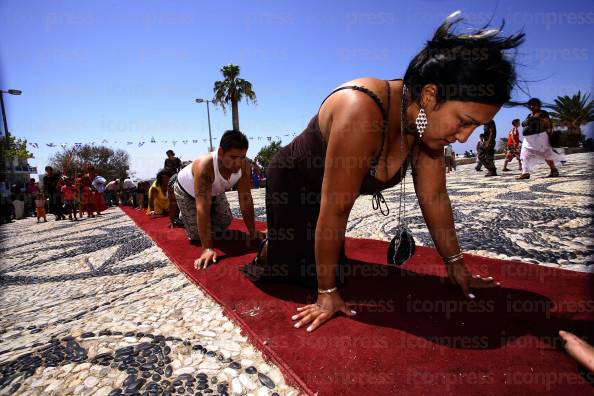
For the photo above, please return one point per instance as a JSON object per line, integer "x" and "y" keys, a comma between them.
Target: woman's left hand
{"x": 459, "y": 274}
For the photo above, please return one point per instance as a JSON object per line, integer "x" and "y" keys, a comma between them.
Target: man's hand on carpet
{"x": 459, "y": 274}
{"x": 320, "y": 312}
{"x": 208, "y": 256}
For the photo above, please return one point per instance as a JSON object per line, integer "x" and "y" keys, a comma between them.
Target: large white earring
{"x": 421, "y": 122}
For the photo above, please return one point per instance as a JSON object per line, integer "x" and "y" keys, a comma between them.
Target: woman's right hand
{"x": 322, "y": 311}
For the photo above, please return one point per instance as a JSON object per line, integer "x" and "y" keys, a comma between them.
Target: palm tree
{"x": 231, "y": 90}
{"x": 573, "y": 112}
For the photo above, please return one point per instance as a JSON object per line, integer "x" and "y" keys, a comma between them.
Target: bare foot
{"x": 579, "y": 349}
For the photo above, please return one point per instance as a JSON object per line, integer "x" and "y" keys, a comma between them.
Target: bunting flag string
{"x": 79, "y": 145}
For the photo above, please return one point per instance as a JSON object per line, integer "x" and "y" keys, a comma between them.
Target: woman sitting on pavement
{"x": 365, "y": 135}
{"x": 158, "y": 201}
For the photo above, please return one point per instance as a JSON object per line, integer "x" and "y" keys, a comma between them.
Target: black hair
{"x": 465, "y": 67}
{"x": 233, "y": 139}
{"x": 515, "y": 121}
{"x": 534, "y": 101}
{"x": 169, "y": 152}
{"x": 48, "y": 168}
{"x": 482, "y": 135}
{"x": 160, "y": 176}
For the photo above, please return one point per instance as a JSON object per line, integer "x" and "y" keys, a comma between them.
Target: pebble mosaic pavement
{"x": 95, "y": 308}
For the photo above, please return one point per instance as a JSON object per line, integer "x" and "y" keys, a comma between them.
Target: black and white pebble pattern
{"x": 95, "y": 308}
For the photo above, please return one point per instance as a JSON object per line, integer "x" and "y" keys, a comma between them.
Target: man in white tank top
{"x": 200, "y": 193}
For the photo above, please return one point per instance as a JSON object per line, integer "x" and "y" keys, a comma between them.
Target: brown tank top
{"x": 308, "y": 152}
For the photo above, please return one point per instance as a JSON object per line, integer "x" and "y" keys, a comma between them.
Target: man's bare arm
{"x": 203, "y": 179}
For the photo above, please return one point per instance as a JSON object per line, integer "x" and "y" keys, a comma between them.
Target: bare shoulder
{"x": 203, "y": 167}
{"x": 353, "y": 111}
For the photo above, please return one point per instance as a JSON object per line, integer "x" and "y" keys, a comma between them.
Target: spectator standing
{"x": 31, "y": 191}
{"x": 479, "y": 150}
{"x": 536, "y": 146}
{"x": 513, "y": 145}
{"x": 40, "y": 207}
{"x": 172, "y": 164}
{"x": 51, "y": 181}
{"x": 5, "y": 201}
{"x": 487, "y": 155}
{"x": 68, "y": 193}
{"x": 256, "y": 175}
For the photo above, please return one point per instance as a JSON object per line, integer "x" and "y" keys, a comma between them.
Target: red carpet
{"x": 413, "y": 334}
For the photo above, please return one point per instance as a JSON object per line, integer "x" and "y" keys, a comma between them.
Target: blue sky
{"x": 129, "y": 71}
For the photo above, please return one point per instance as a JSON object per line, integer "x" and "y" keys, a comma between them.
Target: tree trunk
{"x": 235, "y": 114}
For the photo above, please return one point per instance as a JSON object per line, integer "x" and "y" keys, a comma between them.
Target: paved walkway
{"x": 91, "y": 307}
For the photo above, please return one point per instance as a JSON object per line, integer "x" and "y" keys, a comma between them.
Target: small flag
{"x": 140, "y": 144}
{"x": 194, "y": 140}
{"x": 269, "y": 138}
{"x": 153, "y": 140}
{"x": 184, "y": 141}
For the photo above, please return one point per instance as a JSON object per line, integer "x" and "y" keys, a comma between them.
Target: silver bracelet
{"x": 327, "y": 291}
{"x": 454, "y": 258}
{"x": 208, "y": 250}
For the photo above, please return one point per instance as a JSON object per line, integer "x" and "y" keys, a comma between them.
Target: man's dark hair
{"x": 534, "y": 101}
{"x": 169, "y": 152}
{"x": 515, "y": 121}
{"x": 48, "y": 168}
{"x": 469, "y": 67}
{"x": 233, "y": 139}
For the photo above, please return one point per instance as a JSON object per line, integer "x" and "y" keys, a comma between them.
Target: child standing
{"x": 40, "y": 207}
{"x": 513, "y": 145}
{"x": 68, "y": 192}
{"x": 88, "y": 198}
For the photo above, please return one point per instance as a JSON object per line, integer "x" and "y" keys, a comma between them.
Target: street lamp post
{"x": 5, "y": 125}
{"x": 199, "y": 100}
{"x": 6, "y": 133}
